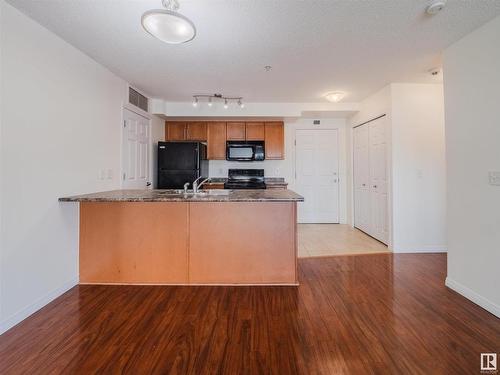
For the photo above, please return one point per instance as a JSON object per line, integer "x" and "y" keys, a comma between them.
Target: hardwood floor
{"x": 335, "y": 239}
{"x": 367, "y": 314}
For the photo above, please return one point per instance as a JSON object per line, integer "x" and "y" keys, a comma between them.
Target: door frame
{"x": 147, "y": 116}
{"x": 339, "y": 221}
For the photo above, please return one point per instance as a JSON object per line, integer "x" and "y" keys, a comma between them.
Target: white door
{"x": 370, "y": 179}
{"x": 316, "y": 174}
{"x": 361, "y": 146}
{"x": 135, "y": 151}
{"x": 378, "y": 180}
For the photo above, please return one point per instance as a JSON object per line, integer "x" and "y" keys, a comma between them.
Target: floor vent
{"x": 137, "y": 99}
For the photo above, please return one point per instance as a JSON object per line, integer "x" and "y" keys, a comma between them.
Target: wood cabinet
{"x": 175, "y": 131}
{"x": 254, "y": 131}
{"x": 236, "y": 131}
{"x": 216, "y": 141}
{"x": 185, "y": 131}
{"x": 275, "y": 140}
{"x": 217, "y": 133}
{"x": 196, "y": 131}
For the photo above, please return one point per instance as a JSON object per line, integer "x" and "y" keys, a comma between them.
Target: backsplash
{"x": 272, "y": 168}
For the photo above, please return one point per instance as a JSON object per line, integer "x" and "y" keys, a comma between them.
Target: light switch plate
{"x": 494, "y": 178}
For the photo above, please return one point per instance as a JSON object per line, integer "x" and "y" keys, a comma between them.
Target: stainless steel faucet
{"x": 196, "y": 185}
{"x": 186, "y": 185}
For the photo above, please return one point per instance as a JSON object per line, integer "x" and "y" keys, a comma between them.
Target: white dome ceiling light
{"x": 335, "y": 96}
{"x": 167, "y": 25}
{"x": 435, "y": 7}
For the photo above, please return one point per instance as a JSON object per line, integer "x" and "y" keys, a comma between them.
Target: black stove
{"x": 245, "y": 179}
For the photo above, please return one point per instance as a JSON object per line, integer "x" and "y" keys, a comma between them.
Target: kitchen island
{"x": 221, "y": 237}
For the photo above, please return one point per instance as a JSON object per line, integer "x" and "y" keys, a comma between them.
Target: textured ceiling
{"x": 356, "y": 46}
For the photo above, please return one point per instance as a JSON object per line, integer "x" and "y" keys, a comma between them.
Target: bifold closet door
{"x": 370, "y": 179}
{"x": 361, "y": 179}
{"x": 378, "y": 180}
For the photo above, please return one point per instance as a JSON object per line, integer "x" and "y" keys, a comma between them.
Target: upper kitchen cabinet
{"x": 185, "y": 131}
{"x": 236, "y": 131}
{"x": 216, "y": 141}
{"x": 275, "y": 140}
{"x": 255, "y": 131}
{"x": 196, "y": 131}
{"x": 175, "y": 131}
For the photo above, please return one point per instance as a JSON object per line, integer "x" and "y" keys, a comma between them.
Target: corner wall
{"x": 472, "y": 82}
{"x": 60, "y": 124}
{"x": 415, "y": 162}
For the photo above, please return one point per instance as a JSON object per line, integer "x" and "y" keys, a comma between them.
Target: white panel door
{"x": 370, "y": 179}
{"x": 378, "y": 180}
{"x": 135, "y": 151}
{"x": 316, "y": 173}
{"x": 361, "y": 146}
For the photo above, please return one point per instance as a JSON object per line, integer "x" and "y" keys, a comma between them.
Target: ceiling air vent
{"x": 139, "y": 100}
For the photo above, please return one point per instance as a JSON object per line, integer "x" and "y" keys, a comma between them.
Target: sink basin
{"x": 218, "y": 192}
{"x": 192, "y": 193}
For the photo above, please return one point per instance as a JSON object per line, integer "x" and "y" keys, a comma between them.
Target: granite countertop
{"x": 271, "y": 195}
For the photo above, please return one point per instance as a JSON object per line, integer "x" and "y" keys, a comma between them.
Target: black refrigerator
{"x": 181, "y": 162}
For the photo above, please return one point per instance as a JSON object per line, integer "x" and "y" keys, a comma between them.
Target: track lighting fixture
{"x": 214, "y": 97}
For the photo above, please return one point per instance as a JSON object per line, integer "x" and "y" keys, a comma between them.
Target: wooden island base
{"x": 222, "y": 243}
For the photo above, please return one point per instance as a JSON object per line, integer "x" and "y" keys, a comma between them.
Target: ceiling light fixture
{"x": 435, "y": 7}
{"x": 168, "y": 25}
{"x": 218, "y": 97}
{"x": 335, "y": 96}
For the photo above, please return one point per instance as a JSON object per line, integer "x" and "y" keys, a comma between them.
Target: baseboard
{"x": 421, "y": 249}
{"x": 37, "y": 305}
{"x": 473, "y": 296}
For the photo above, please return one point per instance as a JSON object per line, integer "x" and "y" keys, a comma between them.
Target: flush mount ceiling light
{"x": 218, "y": 97}
{"x": 435, "y": 7}
{"x": 167, "y": 25}
{"x": 335, "y": 96}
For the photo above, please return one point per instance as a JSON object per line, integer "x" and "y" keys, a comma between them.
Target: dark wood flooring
{"x": 369, "y": 314}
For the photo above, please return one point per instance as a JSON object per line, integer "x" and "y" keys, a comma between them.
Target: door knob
{"x": 375, "y": 186}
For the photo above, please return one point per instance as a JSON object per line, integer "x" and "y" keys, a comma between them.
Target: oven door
{"x": 240, "y": 152}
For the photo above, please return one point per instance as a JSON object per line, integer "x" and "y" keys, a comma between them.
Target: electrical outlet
{"x": 110, "y": 174}
{"x": 494, "y": 178}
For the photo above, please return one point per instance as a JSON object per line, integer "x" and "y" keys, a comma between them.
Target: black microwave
{"x": 245, "y": 151}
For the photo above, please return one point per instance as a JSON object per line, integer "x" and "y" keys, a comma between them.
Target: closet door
{"x": 378, "y": 180}
{"x": 361, "y": 178}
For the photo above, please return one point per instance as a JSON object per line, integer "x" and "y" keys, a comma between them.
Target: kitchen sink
{"x": 200, "y": 193}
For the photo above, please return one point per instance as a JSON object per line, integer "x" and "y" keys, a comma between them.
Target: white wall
{"x": 416, "y": 163}
{"x": 471, "y": 87}
{"x": 286, "y": 168}
{"x": 60, "y": 124}
{"x": 418, "y": 168}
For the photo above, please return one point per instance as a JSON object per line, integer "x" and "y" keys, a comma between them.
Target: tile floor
{"x": 335, "y": 239}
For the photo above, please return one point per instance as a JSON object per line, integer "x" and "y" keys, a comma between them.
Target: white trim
{"x": 37, "y": 305}
{"x": 422, "y": 249}
{"x": 473, "y": 296}
{"x": 136, "y": 110}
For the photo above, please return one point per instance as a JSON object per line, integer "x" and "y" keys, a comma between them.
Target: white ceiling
{"x": 313, "y": 45}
